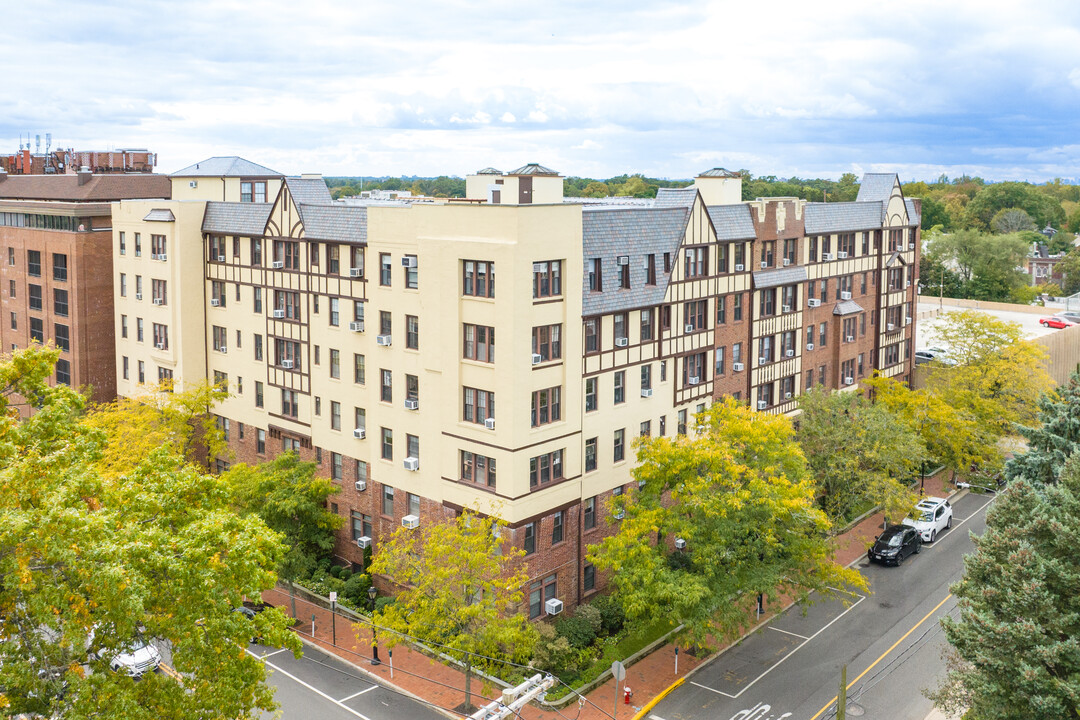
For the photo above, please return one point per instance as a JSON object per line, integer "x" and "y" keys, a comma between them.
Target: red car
{"x": 1056, "y": 321}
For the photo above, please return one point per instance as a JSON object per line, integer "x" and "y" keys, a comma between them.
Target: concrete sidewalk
{"x": 443, "y": 685}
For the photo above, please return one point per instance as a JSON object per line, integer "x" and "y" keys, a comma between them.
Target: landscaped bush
{"x": 553, "y": 652}
{"x": 592, "y": 616}
{"x": 382, "y": 602}
{"x": 577, "y": 630}
{"x": 612, "y": 615}
{"x": 345, "y": 574}
{"x": 335, "y": 570}
{"x": 356, "y": 588}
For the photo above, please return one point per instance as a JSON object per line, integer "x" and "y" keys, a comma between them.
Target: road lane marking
{"x": 786, "y": 632}
{"x": 271, "y": 654}
{"x": 718, "y": 692}
{"x": 358, "y": 694}
{"x": 904, "y": 637}
{"x": 312, "y": 688}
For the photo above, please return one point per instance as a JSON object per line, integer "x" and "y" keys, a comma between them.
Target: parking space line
{"x": 718, "y": 692}
{"x": 272, "y": 654}
{"x": 358, "y": 694}
{"x": 787, "y": 632}
{"x": 312, "y": 688}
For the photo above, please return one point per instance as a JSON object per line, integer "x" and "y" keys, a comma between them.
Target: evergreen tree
{"x": 1053, "y": 440}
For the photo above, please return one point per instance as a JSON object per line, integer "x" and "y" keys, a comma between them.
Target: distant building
{"x": 69, "y": 161}
{"x": 1042, "y": 267}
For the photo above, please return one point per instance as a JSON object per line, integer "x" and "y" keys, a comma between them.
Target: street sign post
{"x": 618, "y": 671}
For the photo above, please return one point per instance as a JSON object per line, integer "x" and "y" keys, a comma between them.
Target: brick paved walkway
{"x": 442, "y": 685}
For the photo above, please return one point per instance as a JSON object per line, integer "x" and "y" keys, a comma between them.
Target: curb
{"x": 663, "y": 694}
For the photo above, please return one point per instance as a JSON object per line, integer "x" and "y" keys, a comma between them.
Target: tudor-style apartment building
{"x": 502, "y": 353}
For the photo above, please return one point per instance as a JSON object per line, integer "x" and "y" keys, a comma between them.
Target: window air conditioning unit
{"x": 287, "y": 364}
{"x": 693, "y": 379}
{"x": 621, "y": 342}
{"x": 826, "y": 257}
{"x": 849, "y": 380}
{"x": 408, "y": 261}
{"x": 623, "y": 260}
{"x": 813, "y": 302}
{"x": 158, "y": 301}
{"x": 689, "y": 328}
{"x": 383, "y": 340}
{"x": 163, "y": 257}
{"x": 809, "y": 346}
{"x": 160, "y": 346}
{"x": 214, "y": 302}
{"x": 489, "y": 423}
{"x": 680, "y": 544}
{"x": 537, "y": 358}
{"x": 907, "y": 283}
{"x": 619, "y": 514}
{"x": 764, "y": 264}
{"x": 359, "y": 433}
{"x": 786, "y": 308}
{"x": 221, "y": 258}
{"x": 412, "y": 404}
{"x": 891, "y": 327}
{"x": 360, "y": 485}
{"x": 845, "y": 295}
{"x": 223, "y": 349}
{"x": 911, "y": 246}
{"x": 277, "y": 264}
{"x": 279, "y": 314}
{"x": 363, "y": 542}
{"x": 410, "y": 521}
{"x": 907, "y": 320}
{"x": 763, "y": 361}
{"x": 842, "y": 255}
{"x": 646, "y": 392}
{"x": 538, "y": 267}
{"x": 787, "y": 261}
{"x": 355, "y": 272}
{"x": 193, "y": 183}
{"x": 787, "y": 396}
{"x": 737, "y": 367}
{"x": 851, "y": 338}
{"x": 789, "y": 353}
{"x": 553, "y": 606}
{"x": 762, "y": 404}
{"x": 356, "y": 326}
{"x": 412, "y": 464}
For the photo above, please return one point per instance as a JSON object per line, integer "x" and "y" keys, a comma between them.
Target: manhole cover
{"x": 855, "y": 710}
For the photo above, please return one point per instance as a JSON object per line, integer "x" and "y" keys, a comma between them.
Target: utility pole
{"x": 841, "y": 698}
{"x": 515, "y": 698}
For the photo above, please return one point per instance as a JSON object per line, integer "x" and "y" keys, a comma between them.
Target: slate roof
{"x": 732, "y": 222}
{"x": 229, "y": 166}
{"x": 248, "y": 219}
{"x": 308, "y": 191}
{"x": 335, "y": 223}
{"x": 533, "y": 169}
{"x": 847, "y": 307}
{"x": 675, "y": 197}
{"x": 160, "y": 215}
{"x": 913, "y": 215}
{"x": 842, "y": 217}
{"x": 876, "y": 186}
{"x": 608, "y": 233}
{"x": 780, "y": 276}
{"x": 99, "y": 188}
{"x": 718, "y": 172}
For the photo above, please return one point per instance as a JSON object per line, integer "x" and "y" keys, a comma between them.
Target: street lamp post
{"x": 371, "y": 593}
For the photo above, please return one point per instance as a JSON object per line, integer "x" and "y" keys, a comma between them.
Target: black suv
{"x": 894, "y": 544}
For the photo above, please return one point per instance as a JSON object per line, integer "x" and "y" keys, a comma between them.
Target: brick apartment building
{"x": 365, "y": 336}
{"x": 56, "y": 268}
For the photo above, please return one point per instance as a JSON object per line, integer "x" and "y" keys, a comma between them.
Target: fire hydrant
{"x": 627, "y": 693}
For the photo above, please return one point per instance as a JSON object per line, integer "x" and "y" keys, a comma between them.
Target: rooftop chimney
{"x": 84, "y": 175}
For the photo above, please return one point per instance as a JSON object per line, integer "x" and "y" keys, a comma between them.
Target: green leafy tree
{"x": 1011, "y": 220}
{"x": 741, "y": 497}
{"x": 1052, "y": 440}
{"x": 1041, "y": 208}
{"x": 461, "y": 582}
{"x": 1015, "y": 641}
{"x": 155, "y": 553}
{"x": 1070, "y": 269}
{"x": 596, "y": 189}
{"x": 987, "y": 264}
{"x": 934, "y": 213}
{"x": 859, "y": 454}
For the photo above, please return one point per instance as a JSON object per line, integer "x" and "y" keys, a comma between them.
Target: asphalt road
{"x": 319, "y": 686}
{"x": 890, "y": 640}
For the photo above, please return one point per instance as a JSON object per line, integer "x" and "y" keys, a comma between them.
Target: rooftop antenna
{"x": 37, "y": 145}
{"x": 20, "y": 143}
{"x": 48, "y": 142}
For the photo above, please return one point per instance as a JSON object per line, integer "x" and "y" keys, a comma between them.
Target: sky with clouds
{"x": 595, "y": 88}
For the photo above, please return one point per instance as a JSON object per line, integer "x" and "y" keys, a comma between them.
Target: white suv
{"x": 930, "y": 516}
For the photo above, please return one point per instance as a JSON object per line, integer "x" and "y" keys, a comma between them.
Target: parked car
{"x": 894, "y": 544}
{"x": 930, "y": 354}
{"x": 1056, "y": 321}
{"x": 930, "y": 516}
{"x": 135, "y": 658}
{"x": 1070, "y": 315}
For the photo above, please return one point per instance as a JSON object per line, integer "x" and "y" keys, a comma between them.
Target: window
{"x": 15, "y": 321}
{"x": 624, "y": 272}
{"x": 849, "y": 328}
{"x": 860, "y": 365}
{"x": 138, "y": 288}
{"x": 333, "y": 259}
{"x": 335, "y": 415}
{"x": 258, "y": 394}
{"x": 256, "y": 251}
{"x": 824, "y": 296}
{"x": 789, "y": 251}
{"x": 159, "y": 292}
{"x": 478, "y": 343}
{"x": 122, "y": 240}
{"x": 387, "y": 445}
{"x": 258, "y": 346}
{"x": 411, "y": 271}
{"x": 217, "y": 248}
{"x": 385, "y": 269}
{"x": 590, "y": 454}
{"x": 823, "y": 334}
{"x": 287, "y": 303}
{"x": 618, "y": 448}
{"x": 767, "y": 304}
{"x": 412, "y": 387}
{"x": 33, "y": 263}
{"x": 557, "y": 528}
{"x": 722, "y": 260}
{"x": 681, "y": 427}
{"x": 386, "y": 386}
{"x": 765, "y": 394}
{"x": 35, "y": 297}
{"x": 142, "y": 372}
{"x": 896, "y": 238}
{"x": 251, "y": 191}
{"x": 386, "y": 323}
{"x": 592, "y": 335}
{"x": 478, "y": 278}
{"x": 590, "y": 513}
{"x": 694, "y": 369}
{"x": 547, "y": 343}
{"x": 768, "y": 249}
{"x": 650, "y": 269}
{"x": 139, "y": 333}
{"x": 477, "y": 468}
{"x": 697, "y": 262}
{"x": 736, "y": 353}
{"x": 646, "y": 377}
{"x": 620, "y": 387}
{"x": 787, "y": 343}
{"x": 789, "y": 298}
{"x": 478, "y": 405}
{"x": 589, "y": 578}
{"x": 362, "y": 472}
{"x": 821, "y": 375}
{"x": 845, "y": 243}
{"x": 290, "y": 403}
{"x": 765, "y": 346}
{"x": 359, "y": 418}
{"x": 161, "y": 336}
{"x": 590, "y": 394}
{"x": 694, "y": 313}
{"x": 665, "y": 317}
{"x": 847, "y": 370}
{"x": 361, "y": 525}
{"x": 11, "y": 288}
{"x": 663, "y": 371}
{"x": 621, "y": 322}
{"x": 646, "y": 429}
{"x": 335, "y": 363}
{"x": 217, "y": 291}
{"x": 646, "y": 325}
{"x": 547, "y": 279}
{"x": 545, "y": 468}
{"x": 720, "y": 360}
{"x": 125, "y": 370}
{"x": 596, "y": 274}
{"x": 412, "y": 332}
{"x": 63, "y": 340}
{"x": 60, "y": 269}
{"x": 359, "y": 374}
{"x": 736, "y": 310}
{"x": 412, "y": 502}
{"x": 721, "y": 310}
{"x": 388, "y": 501}
{"x": 158, "y": 249}
{"x": 356, "y": 255}
{"x": 546, "y": 406}
{"x": 529, "y": 544}
{"x": 335, "y": 315}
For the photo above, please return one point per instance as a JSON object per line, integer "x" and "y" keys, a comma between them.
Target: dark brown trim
{"x": 508, "y": 449}
{"x": 548, "y": 301}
